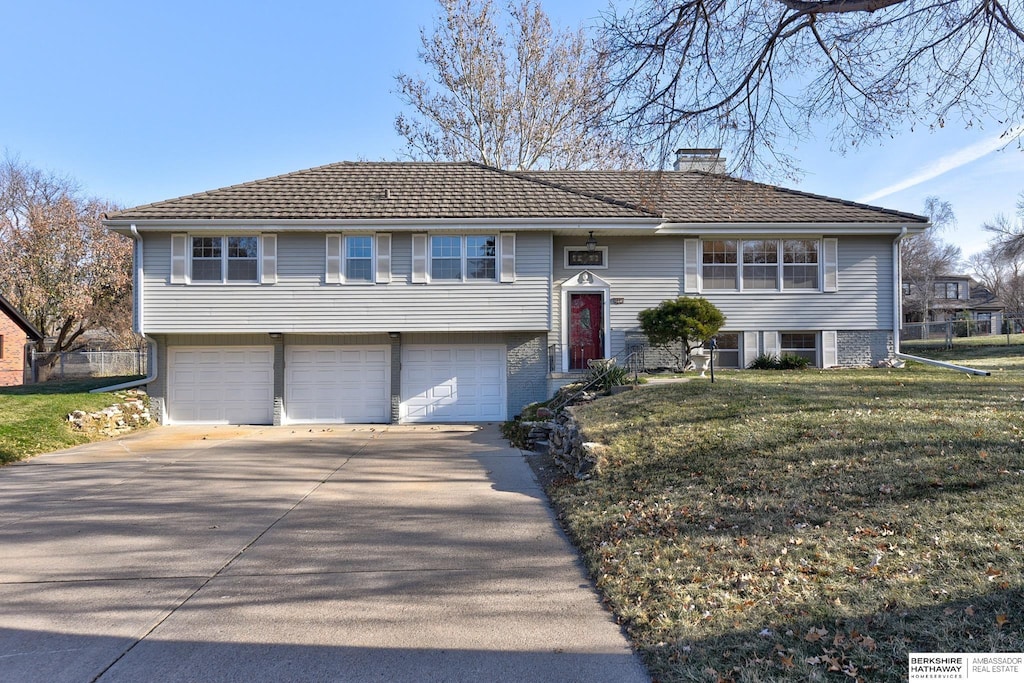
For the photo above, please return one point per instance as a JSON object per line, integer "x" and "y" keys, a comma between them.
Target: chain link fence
{"x": 46, "y": 366}
{"x": 999, "y": 329}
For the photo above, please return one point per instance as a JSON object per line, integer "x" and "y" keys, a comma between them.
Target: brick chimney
{"x": 708, "y": 160}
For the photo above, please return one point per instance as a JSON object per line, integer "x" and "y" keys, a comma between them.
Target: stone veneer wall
{"x": 526, "y": 369}
{"x": 859, "y": 348}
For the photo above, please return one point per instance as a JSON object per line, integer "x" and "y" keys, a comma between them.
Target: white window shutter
{"x": 508, "y": 257}
{"x": 691, "y": 256}
{"x": 383, "y": 257}
{"x": 333, "y": 269}
{"x": 749, "y": 348}
{"x": 268, "y": 259}
{"x": 771, "y": 344}
{"x": 830, "y": 252}
{"x": 419, "y": 257}
{"x": 179, "y": 258}
{"x": 829, "y": 349}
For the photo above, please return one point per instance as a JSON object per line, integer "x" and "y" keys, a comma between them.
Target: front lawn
{"x": 33, "y": 417}
{"x": 814, "y": 525}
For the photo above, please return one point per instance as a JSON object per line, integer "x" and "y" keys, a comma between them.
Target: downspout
{"x": 897, "y": 306}
{"x": 151, "y": 364}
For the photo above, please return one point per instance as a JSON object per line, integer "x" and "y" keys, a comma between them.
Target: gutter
{"x": 151, "y": 363}
{"x": 897, "y": 306}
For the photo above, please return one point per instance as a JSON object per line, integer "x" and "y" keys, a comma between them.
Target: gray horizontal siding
{"x": 645, "y": 272}
{"x": 863, "y": 302}
{"x": 301, "y": 303}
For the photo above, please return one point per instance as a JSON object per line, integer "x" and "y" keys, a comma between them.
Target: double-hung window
{"x": 359, "y": 258}
{"x": 800, "y": 264}
{"x": 225, "y": 259}
{"x": 457, "y": 257}
{"x": 719, "y": 267}
{"x": 947, "y": 290}
{"x": 760, "y": 264}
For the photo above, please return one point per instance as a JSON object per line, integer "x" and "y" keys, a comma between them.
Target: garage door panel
{"x": 463, "y": 383}
{"x": 221, "y": 385}
{"x": 350, "y": 384}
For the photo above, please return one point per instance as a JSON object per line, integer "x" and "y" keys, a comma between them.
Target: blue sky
{"x": 146, "y": 101}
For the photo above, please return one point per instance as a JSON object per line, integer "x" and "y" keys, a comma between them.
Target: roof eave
{"x": 19, "y": 320}
{"x": 775, "y": 228}
{"x": 123, "y": 225}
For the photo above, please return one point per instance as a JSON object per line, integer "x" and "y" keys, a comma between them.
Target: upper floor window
{"x": 359, "y": 258}
{"x": 947, "y": 290}
{"x": 761, "y": 265}
{"x": 720, "y": 265}
{"x": 225, "y": 259}
{"x": 800, "y": 264}
{"x": 458, "y": 257}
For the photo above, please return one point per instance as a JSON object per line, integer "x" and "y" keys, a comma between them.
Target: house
{"x": 417, "y": 292}
{"x": 15, "y": 333}
{"x": 953, "y": 298}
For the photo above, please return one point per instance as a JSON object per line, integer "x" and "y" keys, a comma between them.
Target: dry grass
{"x": 809, "y": 525}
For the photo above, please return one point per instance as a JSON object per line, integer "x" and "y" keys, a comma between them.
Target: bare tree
{"x": 1002, "y": 273}
{"x": 509, "y": 92}
{"x": 756, "y": 75}
{"x": 1009, "y": 234}
{"x": 1001, "y": 266}
{"x": 61, "y": 268}
{"x": 926, "y": 257}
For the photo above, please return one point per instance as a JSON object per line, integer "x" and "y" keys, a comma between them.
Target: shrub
{"x": 606, "y": 374}
{"x": 790, "y": 361}
{"x": 765, "y": 361}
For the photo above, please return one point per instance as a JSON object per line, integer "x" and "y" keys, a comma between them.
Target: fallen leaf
{"x": 787, "y": 660}
{"x": 969, "y": 611}
{"x": 1001, "y": 619}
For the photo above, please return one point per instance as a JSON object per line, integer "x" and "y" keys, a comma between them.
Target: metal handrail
{"x": 628, "y": 360}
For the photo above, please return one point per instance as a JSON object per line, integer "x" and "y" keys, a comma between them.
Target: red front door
{"x": 586, "y": 329}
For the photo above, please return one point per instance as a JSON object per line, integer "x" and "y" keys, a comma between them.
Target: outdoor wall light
{"x": 591, "y": 242}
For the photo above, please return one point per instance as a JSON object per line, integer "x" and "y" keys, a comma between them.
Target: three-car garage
{"x": 336, "y": 384}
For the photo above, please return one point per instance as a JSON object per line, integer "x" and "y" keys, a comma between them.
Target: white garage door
{"x": 337, "y": 384}
{"x": 453, "y": 383}
{"x": 221, "y": 385}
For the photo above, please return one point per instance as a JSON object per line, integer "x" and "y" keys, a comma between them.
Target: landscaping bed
{"x": 810, "y": 525}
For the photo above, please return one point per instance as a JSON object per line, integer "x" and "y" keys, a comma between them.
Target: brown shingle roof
{"x": 368, "y": 190}
{"x": 422, "y": 190}
{"x": 696, "y": 197}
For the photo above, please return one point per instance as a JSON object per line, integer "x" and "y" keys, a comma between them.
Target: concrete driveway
{"x": 294, "y": 554}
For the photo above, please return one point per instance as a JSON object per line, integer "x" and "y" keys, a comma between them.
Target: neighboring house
{"x": 408, "y": 292}
{"x": 15, "y": 333}
{"x": 955, "y": 298}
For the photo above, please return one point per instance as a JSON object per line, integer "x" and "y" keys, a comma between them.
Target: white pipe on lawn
{"x": 898, "y": 315}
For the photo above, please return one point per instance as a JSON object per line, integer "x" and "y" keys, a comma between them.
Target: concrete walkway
{"x": 294, "y": 554}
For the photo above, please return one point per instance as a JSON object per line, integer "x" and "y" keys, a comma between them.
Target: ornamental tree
{"x": 690, "y": 321}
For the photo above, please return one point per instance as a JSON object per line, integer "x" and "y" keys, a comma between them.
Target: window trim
{"x": 182, "y": 259}
{"x": 346, "y": 277}
{"x": 464, "y": 258}
{"x": 572, "y": 249}
{"x": 779, "y": 264}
